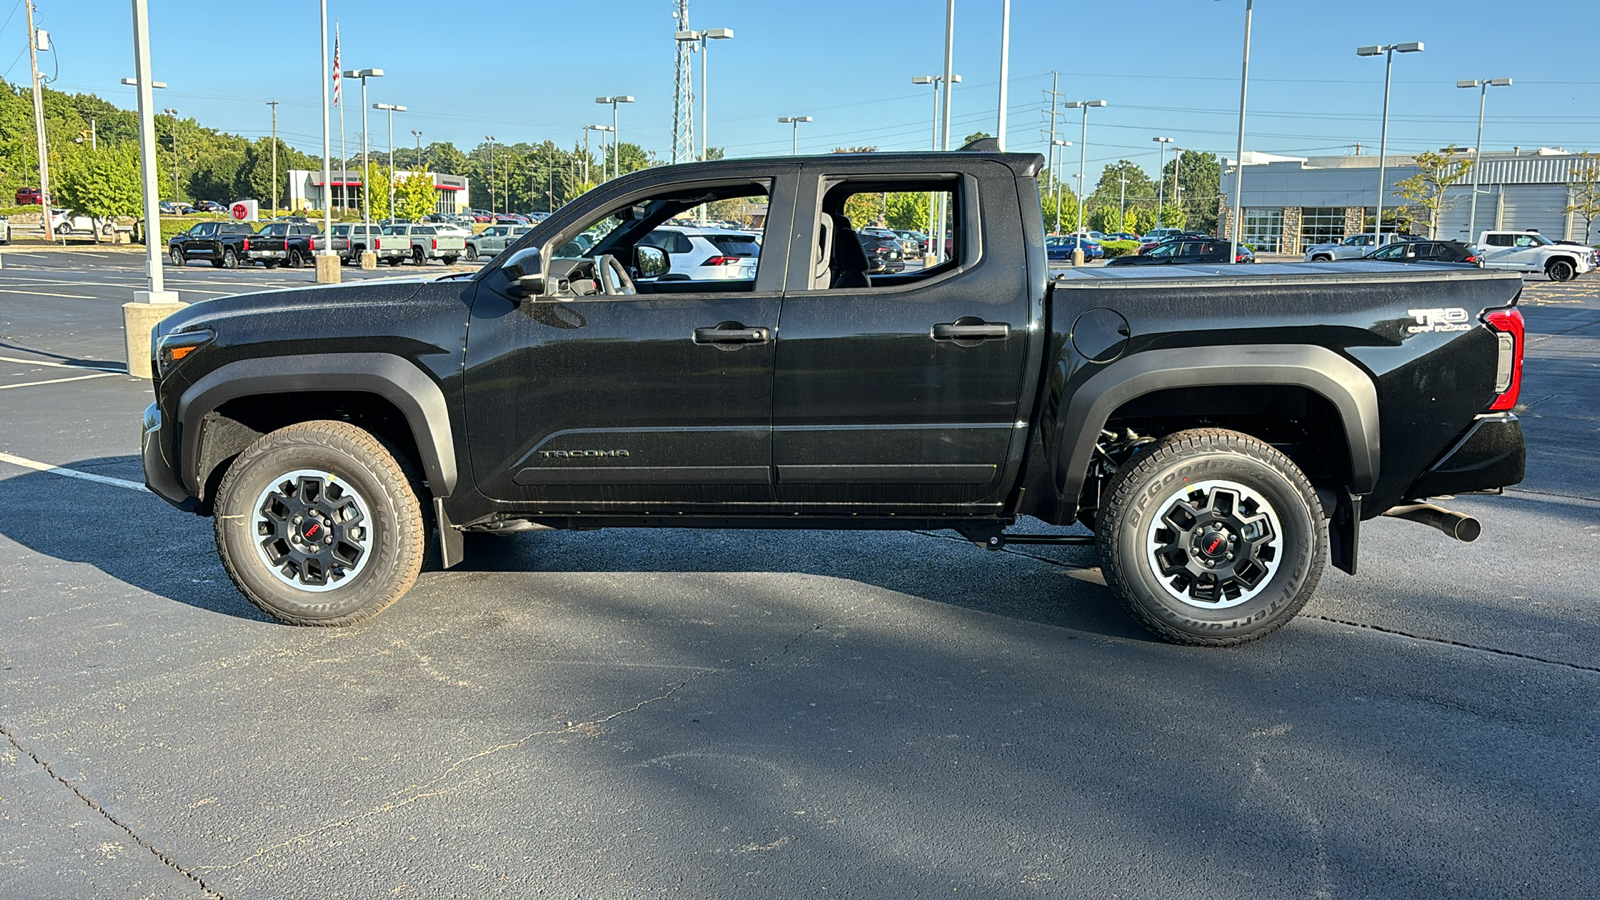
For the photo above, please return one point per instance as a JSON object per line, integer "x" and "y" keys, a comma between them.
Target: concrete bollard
{"x": 139, "y": 320}
{"x": 328, "y": 268}
{"x": 369, "y": 259}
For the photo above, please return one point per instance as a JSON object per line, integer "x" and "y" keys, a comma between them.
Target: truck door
{"x": 901, "y": 389}
{"x": 1500, "y": 251}
{"x": 592, "y": 402}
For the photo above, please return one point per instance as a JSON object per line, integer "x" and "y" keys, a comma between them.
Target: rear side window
{"x": 854, "y": 207}
{"x": 1499, "y": 240}
{"x": 735, "y": 244}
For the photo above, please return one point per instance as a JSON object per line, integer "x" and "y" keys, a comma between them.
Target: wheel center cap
{"x": 1213, "y": 543}
{"x": 313, "y": 531}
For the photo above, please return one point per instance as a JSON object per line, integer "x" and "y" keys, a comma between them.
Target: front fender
{"x": 1318, "y": 369}
{"x": 403, "y": 384}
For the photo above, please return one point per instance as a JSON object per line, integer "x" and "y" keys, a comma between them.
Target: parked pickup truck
{"x": 1222, "y": 430}
{"x": 391, "y": 249}
{"x": 1353, "y": 247}
{"x": 219, "y": 243}
{"x": 427, "y": 243}
{"x": 1530, "y": 251}
{"x": 289, "y": 244}
{"x": 492, "y": 240}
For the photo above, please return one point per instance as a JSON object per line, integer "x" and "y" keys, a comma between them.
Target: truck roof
{"x": 1023, "y": 164}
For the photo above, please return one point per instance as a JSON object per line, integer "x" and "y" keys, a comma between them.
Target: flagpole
{"x": 338, "y": 100}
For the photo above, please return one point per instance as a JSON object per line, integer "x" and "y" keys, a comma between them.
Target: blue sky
{"x": 530, "y": 70}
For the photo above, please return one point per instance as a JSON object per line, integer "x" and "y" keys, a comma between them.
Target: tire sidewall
{"x": 251, "y": 474}
{"x": 1301, "y": 546}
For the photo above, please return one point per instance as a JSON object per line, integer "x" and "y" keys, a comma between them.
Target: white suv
{"x": 1530, "y": 251}
{"x": 706, "y": 254}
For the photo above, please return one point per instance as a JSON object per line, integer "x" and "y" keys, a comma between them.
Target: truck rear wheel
{"x": 230, "y": 259}
{"x": 1213, "y": 538}
{"x": 318, "y": 524}
{"x": 294, "y": 260}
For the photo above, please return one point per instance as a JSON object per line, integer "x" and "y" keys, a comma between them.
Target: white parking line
{"x": 48, "y": 294}
{"x": 72, "y": 473}
{"x": 7, "y": 387}
{"x": 57, "y": 365}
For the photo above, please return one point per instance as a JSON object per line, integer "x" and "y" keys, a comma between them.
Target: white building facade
{"x": 306, "y": 190}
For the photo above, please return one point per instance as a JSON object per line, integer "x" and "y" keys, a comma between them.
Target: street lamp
{"x": 150, "y": 306}
{"x": 1056, "y": 177}
{"x": 701, "y": 38}
{"x": 1483, "y": 86}
{"x": 794, "y": 147}
{"x": 1083, "y": 162}
{"x": 1161, "y": 175}
{"x": 391, "y": 109}
{"x": 616, "y": 135}
{"x": 174, "y": 114}
{"x": 418, "y": 161}
{"x": 938, "y": 83}
{"x": 1238, "y": 163}
{"x": 366, "y": 189}
{"x": 1387, "y": 51}
{"x": 602, "y": 129}
{"x": 489, "y": 139}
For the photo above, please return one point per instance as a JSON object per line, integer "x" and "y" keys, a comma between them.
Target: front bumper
{"x": 159, "y": 475}
{"x": 1491, "y": 454}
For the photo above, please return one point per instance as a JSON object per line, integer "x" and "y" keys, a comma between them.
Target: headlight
{"x": 172, "y": 349}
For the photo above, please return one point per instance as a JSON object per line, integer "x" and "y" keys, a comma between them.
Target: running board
{"x": 992, "y": 537}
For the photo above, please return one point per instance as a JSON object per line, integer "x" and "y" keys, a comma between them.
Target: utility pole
{"x": 174, "y": 114}
{"x": 41, "y": 141}
{"x": 682, "y": 91}
{"x": 1122, "y": 204}
{"x": 1050, "y": 166}
{"x": 418, "y": 162}
{"x": 490, "y": 139}
{"x": 944, "y": 113}
{"x": 274, "y": 105}
{"x": 1005, "y": 70}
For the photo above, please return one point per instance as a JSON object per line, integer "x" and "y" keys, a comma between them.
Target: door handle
{"x": 731, "y": 333}
{"x": 965, "y": 331}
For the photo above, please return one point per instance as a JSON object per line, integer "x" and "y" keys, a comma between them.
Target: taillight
{"x": 435, "y": 243}
{"x": 247, "y": 245}
{"x": 722, "y": 261}
{"x": 1508, "y": 327}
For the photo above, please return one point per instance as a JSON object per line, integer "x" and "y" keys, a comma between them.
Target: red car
{"x": 29, "y": 195}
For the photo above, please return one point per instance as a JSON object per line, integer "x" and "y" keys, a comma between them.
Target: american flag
{"x": 338, "y": 75}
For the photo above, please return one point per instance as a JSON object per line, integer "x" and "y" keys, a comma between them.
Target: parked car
{"x": 220, "y": 243}
{"x": 510, "y": 219}
{"x": 1222, "y": 437}
{"x": 391, "y": 249}
{"x": 427, "y": 243}
{"x": 29, "y": 195}
{"x": 1059, "y": 247}
{"x": 1426, "y": 251}
{"x": 5, "y": 229}
{"x": 1352, "y": 247}
{"x": 290, "y": 244}
{"x": 1170, "y": 235}
{"x": 1157, "y": 235}
{"x": 1122, "y": 236}
{"x": 479, "y": 215}
{"x": 706, "y": 254}
{"x": 491, "y": 241}
{"x": 884, "y": 256}
{"x": 209, "y": 206}
{"x": 1530, "y": 251}
{"x": 1185, "y": 251}
{"x": 916, "y": 240}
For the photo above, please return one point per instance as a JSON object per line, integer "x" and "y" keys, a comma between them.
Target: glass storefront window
{"x": 1263, "y": 228}
{"x": 1321, "y": 225}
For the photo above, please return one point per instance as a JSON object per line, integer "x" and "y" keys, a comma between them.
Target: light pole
{"x": 149, "y": 307}
{"x": 391, "y": 109}
{"x": 366, "y": 165}
{"x": 944, "y": 130}
{"x": 1083, "y": 163}
{"x": 1122, "y": 203}
{"x": 1056, "y": 176}
{"x": 701, "y": 38}
{"x": 938, "y": 83}
{"x": 174, "y": 114}
{"x": 1238, "y": 162}
{"x": 616, "y": 135}
{"x": 794, "y": 146}
{"x": 1387, "y": 51}
{"x": 604, "y": 130}
{"x": 1477, "y": 155}
{"x": 489, "y": 139}
{"x": 274, "y": 105}
{"x": 418, "y": 162}
{"x": 1161, "y": 175}
{"x": 1005, "y": 71}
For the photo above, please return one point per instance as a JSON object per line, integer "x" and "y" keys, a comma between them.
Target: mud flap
{"x": 452, "y": 547}
{"x": 1344, "y": 531}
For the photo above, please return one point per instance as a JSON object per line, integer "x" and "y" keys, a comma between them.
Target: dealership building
{"x": 306, "y": 190}
{"x": 1293, "y": 202}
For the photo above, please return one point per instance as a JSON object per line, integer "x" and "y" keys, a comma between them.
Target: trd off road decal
{"x": 1452, "y": 319}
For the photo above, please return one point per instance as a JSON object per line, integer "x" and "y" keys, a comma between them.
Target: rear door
{"x": 901, "y": 392}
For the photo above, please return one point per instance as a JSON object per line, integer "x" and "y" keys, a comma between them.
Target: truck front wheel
{"x": 317, "y": 524}
{"x": 1213, "y": 538}
{"x": 1561, "y": 270}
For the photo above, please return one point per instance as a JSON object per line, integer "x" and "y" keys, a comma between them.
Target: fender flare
{"x": 1318, "y": 369}
{"x": 402, "y": 383}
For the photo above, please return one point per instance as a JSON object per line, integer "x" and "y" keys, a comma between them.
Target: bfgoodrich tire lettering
{"x": 347, "y": 486}
{"x": 1213, "y": 538}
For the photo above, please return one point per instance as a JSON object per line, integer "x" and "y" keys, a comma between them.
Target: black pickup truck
{"x": 220, "y": 243}
{"x": 1222, "y": 431}
{"x": 290, "y": 244}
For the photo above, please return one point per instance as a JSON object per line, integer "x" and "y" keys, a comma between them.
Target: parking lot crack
{"x": 93, "y": 804}
{"x": 1481, "y": 648}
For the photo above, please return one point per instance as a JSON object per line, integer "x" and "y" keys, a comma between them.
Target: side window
{"x": 1524, "y": 240}
{"x": 847, "y": 255}
{"x": 1499, "y": 240}
{"x": 681, "y": 243}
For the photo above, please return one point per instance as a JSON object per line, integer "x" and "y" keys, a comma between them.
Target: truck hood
{"x": 357, "y": 301}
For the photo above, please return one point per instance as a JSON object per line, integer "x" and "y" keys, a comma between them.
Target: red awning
{"x": 447, "y": 187}
{"x": 340, "y": 183}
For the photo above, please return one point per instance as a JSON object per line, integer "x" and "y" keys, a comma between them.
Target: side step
{"x": 994, "y": 537}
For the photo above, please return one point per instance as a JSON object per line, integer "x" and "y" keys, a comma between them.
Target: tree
{"x": 1585, "y": 185}
{"x": 1199, "y": 185}
{"x": 977, "y": 136}
{"x": 103, "y": 184}
{"x": 378, "y": 191}
{"x": 414, "y": 196}
{"x": 864, "y": 210}
{"x": 1436, "y": 172}
{"x": 908, "y": 211}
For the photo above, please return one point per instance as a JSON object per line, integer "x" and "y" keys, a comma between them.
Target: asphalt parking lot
{"x": 768, "y": 714}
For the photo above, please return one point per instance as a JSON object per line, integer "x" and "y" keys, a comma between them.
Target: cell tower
{"x": 682, "y": 91}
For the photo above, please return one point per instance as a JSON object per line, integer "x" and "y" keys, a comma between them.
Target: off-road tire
{"x": 230, "y": 259}
{"x": 177, "y": 256}
{"x": 376, "y": 476}
{"x": 472, "y": 253}
{"x": 1150, "y": 484}
{"x": 417, "y": 257}
{"x": 294, "y": 259}
{"x": 1561, "y": 270}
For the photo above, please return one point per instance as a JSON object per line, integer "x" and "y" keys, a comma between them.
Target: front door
{"x": 597, "y": 404}
{"x": 902, "y": 391}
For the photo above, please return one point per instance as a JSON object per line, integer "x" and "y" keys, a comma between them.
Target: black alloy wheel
{"x": 230, "y": 259}
{"x": 294, "y": 259}
{"x": 178, "y": 258}
{"x": 1561, "y": 270}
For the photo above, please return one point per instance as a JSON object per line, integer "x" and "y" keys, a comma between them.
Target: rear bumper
{"x": 1490, "y": 454}
{"x": 159, "y": 477}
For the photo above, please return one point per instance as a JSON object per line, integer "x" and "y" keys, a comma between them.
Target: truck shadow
{"x": 151, "y": 546}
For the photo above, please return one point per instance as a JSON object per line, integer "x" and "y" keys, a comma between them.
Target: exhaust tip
{"x": 1460, "y": 526}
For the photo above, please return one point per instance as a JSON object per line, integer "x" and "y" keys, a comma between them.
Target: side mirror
{"x": 528, "y": 286}
{"x": 650, "y": 262}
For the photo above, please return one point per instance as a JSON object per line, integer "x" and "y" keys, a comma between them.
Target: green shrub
{"x": 1120, "y": 248}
